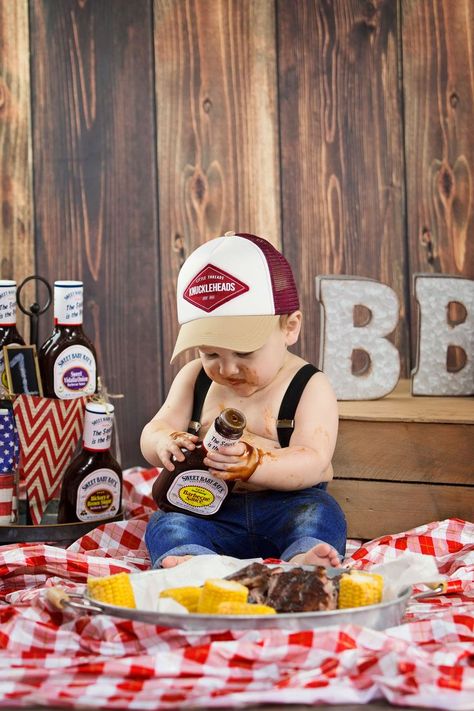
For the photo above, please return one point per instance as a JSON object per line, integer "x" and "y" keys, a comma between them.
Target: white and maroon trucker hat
{"x": 231, "y": 292}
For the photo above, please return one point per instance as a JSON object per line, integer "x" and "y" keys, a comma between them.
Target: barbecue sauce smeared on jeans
{"x": 190, "y": 488}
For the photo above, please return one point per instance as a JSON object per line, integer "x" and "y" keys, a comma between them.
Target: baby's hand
{"x": 171, "y": 445}
{"x": 236, "y": 462}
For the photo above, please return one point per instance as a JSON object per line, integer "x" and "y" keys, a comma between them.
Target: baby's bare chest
{"x": 261, "y": 413}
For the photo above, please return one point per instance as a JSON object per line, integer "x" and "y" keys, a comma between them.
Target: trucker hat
{"x": 231, "y": 291}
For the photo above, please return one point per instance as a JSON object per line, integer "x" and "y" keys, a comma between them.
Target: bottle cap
{"x": 68, "y": 283}
{"x": 100, "y": 408}
{"x": 232, "y": 422}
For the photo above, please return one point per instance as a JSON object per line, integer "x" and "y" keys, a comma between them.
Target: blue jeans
{"x": 257, "y": 524}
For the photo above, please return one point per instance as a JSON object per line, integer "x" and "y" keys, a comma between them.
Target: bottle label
{"x": 68, "y": 305}
{"x": 213, "y": 440}
{"x": 8, "y": 305}
{"x": 97, "y": 430}
{"x": 98, "y": 495}
{"x": 197, "y": 491}
{"x": 74, "y": 373}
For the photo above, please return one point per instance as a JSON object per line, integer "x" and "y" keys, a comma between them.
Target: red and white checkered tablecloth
{"x": 70, "y": 660}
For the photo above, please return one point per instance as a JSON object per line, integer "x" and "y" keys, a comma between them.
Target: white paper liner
{"x": 408, "y": 569}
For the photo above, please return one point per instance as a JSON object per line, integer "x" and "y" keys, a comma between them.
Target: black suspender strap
{"x": 201, "y": 386}
{"x": 286, "y": 422}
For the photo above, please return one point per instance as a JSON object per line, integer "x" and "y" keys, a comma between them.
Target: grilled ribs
{"x": 294, "y": 590}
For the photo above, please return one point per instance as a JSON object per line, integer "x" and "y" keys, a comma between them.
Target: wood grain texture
{"x": 401, "y": 406}
{"x": 16, "y": 217}
{"x": 405, "y": 451}
{"x": 218, "y": 163}
{"x": 341, "y": 148}
{"x": 95, "y": 186}
{"x": 376, "y": 508}
{"x": 438, "y": 81}
{"x": 282, "y": 118}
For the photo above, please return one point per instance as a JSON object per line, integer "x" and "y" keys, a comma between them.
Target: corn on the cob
{"x": 187, "y": 596}
{"x": 215, "y": 591}
{"x": 359, "y": 589}
{"x": 244, "y": 608}
{"x": 112, "y": 589}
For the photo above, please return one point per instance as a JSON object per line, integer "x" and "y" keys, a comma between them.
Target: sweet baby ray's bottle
{"x": 92, "y": 484}
{"x": 8, "y": 330}
{"x": 190, "y": 488}
{"x": 67, "y": 359}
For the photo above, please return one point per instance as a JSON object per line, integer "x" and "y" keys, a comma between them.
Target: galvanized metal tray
{"x": 377, "y": 617}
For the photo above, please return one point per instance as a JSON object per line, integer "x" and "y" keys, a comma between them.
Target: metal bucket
{"x": 377, "y": 617}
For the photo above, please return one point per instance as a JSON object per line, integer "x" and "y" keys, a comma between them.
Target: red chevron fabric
{"x": 49, "y": 431}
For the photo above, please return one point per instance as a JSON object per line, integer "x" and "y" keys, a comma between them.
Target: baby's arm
{"x": 164, "y": 436}
{"x": 307, "y": 460}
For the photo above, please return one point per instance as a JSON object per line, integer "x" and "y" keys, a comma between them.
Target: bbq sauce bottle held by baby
{"x": 8, "y": 330}
{"x": 92, "y": 484}
{"x": 190, "y": 488}
{"x": 67, "y": 359}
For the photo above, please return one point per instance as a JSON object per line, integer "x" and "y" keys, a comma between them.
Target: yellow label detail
{"x": 196, "y": 496}
{"x": 99, "y": 501}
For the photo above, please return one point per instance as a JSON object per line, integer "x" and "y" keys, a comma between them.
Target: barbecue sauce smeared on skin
{"x": 253, "y": 456}
{"x": 190, "y": 488}
{"x": 179, "y": 435}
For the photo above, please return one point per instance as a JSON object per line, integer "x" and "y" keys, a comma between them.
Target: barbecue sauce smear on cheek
{"x": 250, "y": 375}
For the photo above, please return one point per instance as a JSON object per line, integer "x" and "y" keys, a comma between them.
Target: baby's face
{"x": 245, "y": 373}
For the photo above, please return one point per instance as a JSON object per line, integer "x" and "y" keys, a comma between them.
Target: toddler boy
{"x": 238, "y": 305}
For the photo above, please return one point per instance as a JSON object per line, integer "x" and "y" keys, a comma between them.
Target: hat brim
{"x": 236, "y": 333}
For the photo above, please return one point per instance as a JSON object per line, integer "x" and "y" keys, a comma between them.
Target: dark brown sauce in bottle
{"x": 8, "y": 330}
{"x": 190, "y": 488}
{"x": 67, "y": 359}
{"x": 92, "y": 484}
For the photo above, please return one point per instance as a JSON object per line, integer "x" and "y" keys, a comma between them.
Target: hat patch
{"x": 213, "y": 287}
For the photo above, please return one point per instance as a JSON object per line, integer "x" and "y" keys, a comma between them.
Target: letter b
{"x": 434, "y": 293}
{"x": 339, "y": 336}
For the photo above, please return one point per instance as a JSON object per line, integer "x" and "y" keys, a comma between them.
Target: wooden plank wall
{"x": 438, "y": 85}
{"x": 338, "y": 130}
{"x": 217, "y": 148}
{"x": 95, "y": 185}
{"x": 342, "y": 150}
{"x": 17, "y": 251}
